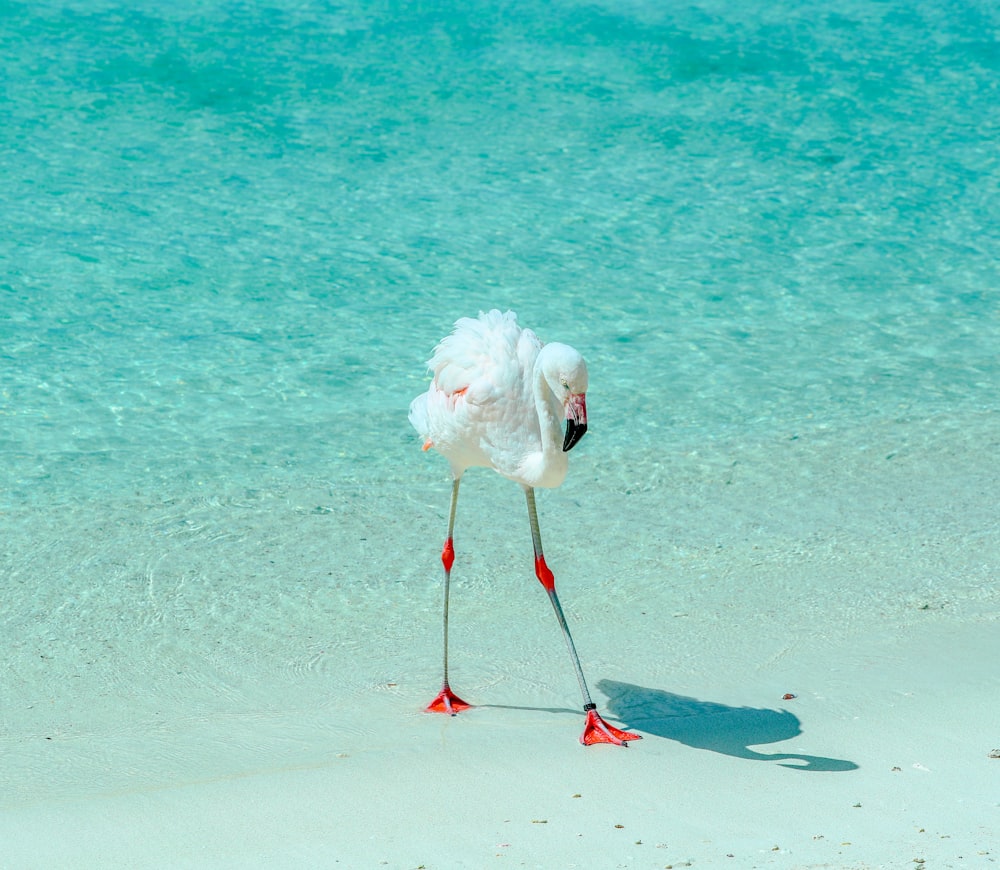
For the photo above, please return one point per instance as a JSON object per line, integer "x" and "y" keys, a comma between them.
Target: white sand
{"x": 917, "y": 714}
{"x": 283, "y": 727}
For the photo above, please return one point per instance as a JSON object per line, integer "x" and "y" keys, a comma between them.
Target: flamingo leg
{"x": 446, "y": 701}
{"x": 595, "y": 729}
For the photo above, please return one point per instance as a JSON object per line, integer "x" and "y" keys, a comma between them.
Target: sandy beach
{"x": 881, "y": 761}
{"x": 815, "y": 680}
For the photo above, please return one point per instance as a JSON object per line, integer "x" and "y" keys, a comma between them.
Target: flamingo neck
{"x": 547, "y": 407}
{"x": 546, "y": 468}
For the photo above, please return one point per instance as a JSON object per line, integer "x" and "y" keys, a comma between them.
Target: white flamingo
{"x": 497, "y": 399}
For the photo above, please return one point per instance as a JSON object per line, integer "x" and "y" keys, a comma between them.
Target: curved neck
{"x": 547, "y": 407}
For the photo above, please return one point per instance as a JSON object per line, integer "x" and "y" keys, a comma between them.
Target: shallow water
{"x": 234, "y": 235}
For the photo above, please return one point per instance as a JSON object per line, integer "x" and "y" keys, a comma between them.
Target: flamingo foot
{"x": 596, "y": 730}
{"x": 447, "y": 702}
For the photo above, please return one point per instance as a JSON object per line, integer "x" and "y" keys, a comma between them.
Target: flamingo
{"x": 496, "y": 400}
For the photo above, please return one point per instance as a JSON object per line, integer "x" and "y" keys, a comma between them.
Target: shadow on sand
{"x": 715, "y": 727}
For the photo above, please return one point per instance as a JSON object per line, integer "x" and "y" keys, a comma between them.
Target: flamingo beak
{"x": 576, "y": 420}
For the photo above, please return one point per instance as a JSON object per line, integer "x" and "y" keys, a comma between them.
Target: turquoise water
{"x": 234, "y": 232}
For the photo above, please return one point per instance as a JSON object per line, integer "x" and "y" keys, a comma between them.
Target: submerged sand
{"x": 806, "y": 635}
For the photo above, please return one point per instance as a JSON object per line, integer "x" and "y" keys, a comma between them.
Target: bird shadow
{"x": 712, "y": 726}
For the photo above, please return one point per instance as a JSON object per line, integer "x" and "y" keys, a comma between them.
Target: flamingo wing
{"x": 485, "y": 359}
{"x": 479, "y": 408}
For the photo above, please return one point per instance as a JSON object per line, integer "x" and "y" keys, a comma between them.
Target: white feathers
{"x": 497, "y": 399}
{"x": 482, "y": 353}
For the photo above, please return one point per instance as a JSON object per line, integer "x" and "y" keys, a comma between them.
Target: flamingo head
{"x": 566, "y": 373}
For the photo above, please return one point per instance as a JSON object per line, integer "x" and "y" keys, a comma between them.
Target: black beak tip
{"x": 574, "y": 432}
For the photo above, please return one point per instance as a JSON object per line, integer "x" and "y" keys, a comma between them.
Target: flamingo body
{"x": 498, "y": 397}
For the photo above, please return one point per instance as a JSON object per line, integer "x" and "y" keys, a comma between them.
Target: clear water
{"x": 233, "y": 233}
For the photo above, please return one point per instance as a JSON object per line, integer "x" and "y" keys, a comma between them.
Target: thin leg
{"x": 446, "y": 700}
{"x": 595, "y": 730}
